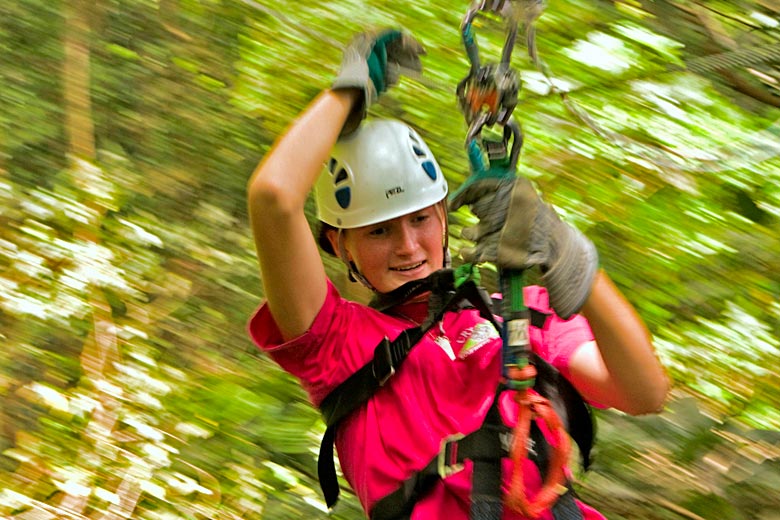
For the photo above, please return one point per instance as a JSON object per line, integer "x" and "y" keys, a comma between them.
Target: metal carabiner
{"x": 494, "y": 150}
{"x": 488, "y": 94}
{"x": 501, "y": 8}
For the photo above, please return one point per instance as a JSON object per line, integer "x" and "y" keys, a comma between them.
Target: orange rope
{"x": 534, "y": 407}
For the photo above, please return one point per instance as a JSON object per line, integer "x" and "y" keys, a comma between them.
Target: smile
{"x": 408, "y": 268}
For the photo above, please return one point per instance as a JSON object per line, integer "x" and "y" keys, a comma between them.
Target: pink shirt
{"x": 445, "y": 386}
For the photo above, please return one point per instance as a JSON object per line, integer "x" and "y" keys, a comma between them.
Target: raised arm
{"x": 290, "y": 264}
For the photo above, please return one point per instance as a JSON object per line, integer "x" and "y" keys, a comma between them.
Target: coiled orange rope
{"x": 534, "y": 407}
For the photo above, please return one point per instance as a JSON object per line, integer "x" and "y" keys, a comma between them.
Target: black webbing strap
{"x": 358, "y": 388}
{"x": 483, "y": 447}
{"x": 354, "y": 391}
{"x": 565, "y": 508}
{"x": 486, "y": 499}
{"x": 538, "y": 318}
{"x": 568, "y": 404}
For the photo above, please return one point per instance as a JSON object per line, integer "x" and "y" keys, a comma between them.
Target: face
{"x": 397, "y": 251}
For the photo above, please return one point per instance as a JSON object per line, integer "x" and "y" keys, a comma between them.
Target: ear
{"x": 333, "y": 238}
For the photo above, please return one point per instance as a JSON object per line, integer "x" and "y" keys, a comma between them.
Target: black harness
{"x": 486, "y": 446}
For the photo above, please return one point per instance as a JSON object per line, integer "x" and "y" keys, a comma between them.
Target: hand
{"x": 517, "y": 230}
{"x": 373, "y": 61}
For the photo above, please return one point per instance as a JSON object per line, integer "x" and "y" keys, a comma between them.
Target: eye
{"x": 378, "y": 231}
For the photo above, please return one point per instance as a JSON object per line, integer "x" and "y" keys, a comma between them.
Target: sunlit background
{"x": 128, "y": 130}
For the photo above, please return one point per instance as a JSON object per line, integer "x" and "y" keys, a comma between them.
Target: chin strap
{"x": 352, "y": 270}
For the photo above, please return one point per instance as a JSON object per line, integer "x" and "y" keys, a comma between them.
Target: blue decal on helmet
{"x": 430, "y": 169}
{"x": 343, "y": 196}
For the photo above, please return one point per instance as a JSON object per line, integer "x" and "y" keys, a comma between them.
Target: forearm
{"x": 624, "y": 342}
{"x": 287, "y": 173}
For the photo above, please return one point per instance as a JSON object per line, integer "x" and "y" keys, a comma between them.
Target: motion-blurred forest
{"x": 128, "y": 130}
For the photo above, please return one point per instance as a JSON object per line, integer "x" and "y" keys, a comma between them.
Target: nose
{"x": 405, "y": 239}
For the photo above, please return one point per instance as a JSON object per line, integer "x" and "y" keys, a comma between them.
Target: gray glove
{"x": 517, "y": 230}
{"x": 373, "y": 61}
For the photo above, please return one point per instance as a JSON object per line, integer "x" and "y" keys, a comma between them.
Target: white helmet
{"x": 379, "y": 172}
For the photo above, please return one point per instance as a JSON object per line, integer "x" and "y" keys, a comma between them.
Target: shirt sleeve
{"x": 340, "y": 340}
{"x": 265, "y": 332}
{"x": 304, "y": 356}
{"x": 559, "y": 338}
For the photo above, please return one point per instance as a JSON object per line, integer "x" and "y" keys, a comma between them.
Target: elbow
{"x": 259, "y": 193}
{"x": 267, "y": 195}
{"x": 652, "y": 400}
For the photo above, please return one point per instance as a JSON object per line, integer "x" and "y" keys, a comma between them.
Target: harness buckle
{"x": 447, "y": 462}
{"x": 382, "y": 365}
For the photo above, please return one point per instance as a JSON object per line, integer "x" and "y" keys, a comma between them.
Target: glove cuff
{"x": 360, "y": 108}
{"x": 569, "y": 278}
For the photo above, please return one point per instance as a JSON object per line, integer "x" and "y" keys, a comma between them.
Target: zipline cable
{"x": 761, "y": 146}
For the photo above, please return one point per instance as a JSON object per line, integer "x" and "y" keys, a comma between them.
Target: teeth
{"x": 415, "y": 266}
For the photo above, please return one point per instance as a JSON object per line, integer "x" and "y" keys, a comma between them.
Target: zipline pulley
{"x": 487, "y": 96}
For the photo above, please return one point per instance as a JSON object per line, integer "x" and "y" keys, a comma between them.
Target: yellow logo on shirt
{"x": 481, "y": 334}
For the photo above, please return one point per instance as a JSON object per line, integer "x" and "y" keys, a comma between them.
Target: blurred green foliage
{"x": 127, "y": 273}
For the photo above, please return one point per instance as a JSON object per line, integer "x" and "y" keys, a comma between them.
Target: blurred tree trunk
{"x": 101, "y": 348}
{"x": 79, "y": 127}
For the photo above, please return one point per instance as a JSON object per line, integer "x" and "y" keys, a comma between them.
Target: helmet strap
{"x": 352, "y": 270}
{"x": 445, "y": 239}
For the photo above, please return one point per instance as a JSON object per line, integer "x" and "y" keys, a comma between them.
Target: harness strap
{"x": 354, "y": 391}
{"x": 486, "y": 499}
{"x": 358, "y": 388}
{"x": 482, "y": 445}
{"x": 485, "y": 448}
{"x": 565, "y": 508}
{"x": 538, "y": 318}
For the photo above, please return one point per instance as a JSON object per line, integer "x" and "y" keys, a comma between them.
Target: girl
{"x": 381, "y": 199}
